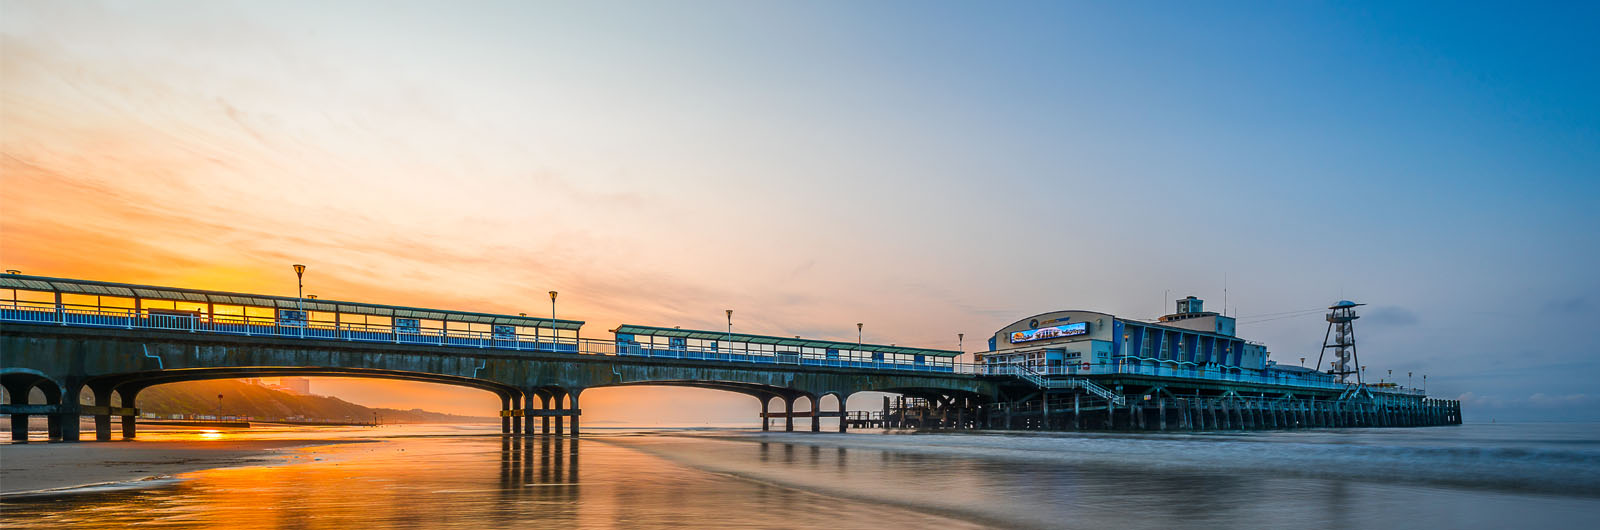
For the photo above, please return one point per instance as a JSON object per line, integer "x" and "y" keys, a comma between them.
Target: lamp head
{"x": 299, "y": 269}
{"x": 552, "y": 296}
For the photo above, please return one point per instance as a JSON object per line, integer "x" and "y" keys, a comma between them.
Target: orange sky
{"x": 925, "y": 173}
{"x": 185, "y": 158}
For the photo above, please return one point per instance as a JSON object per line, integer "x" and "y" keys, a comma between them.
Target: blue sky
{"x": 926, "y": 167}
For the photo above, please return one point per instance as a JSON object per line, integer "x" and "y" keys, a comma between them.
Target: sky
{"x": 926, "y": 168}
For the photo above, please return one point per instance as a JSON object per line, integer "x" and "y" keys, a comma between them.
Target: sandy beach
{"x": 27, "y": 468}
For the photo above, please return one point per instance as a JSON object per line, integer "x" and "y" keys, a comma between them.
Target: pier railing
{"x": 243, "y": 325}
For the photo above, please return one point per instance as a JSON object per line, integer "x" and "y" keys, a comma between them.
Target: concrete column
{"x": 842, "y": 413}
{"x": 576, "y": 411}
{"x": 559, "y": 398}
{"x": 1044, "y": 406}
{"x": 130, "y": 425}
{"x": 766, "y": 423}
{"x": 544, "y": 404}
{"x": 1077, "y": 409}
{"x": 788, "y": 414}
{"x": 517, "y": 406}
{"x": 816, "y": 414}
{"x": 505, "y": 421}
{"x": 102, "y": 422}
{"x": 19, "y": 422}
{"x": 69, "y": 419}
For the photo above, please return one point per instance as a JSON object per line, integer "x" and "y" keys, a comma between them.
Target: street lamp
{"x": 552, "y": 305}
{"x": 730, "y": 327}
{"x": 1302, "y": 362}
{"x": 858, "y": 336}
{"x": 300, "y": 285}
{"x": 961, "y": 340}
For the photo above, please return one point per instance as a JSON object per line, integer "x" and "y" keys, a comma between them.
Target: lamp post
{"x": 961, "y": 340}
{"x": 552, "y": 305}
{"x": 858, "y": 336}
{"x": 300, "y": 286}
{"x": 730, "y": 327}
{"x": 1408, "y": 379}
{"x": 1302, "y": 362}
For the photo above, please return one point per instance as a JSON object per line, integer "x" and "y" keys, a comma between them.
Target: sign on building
{"x": 1053, "y": 332}
{"x": 292, "y": 317}
{"x": 408, "y": 325}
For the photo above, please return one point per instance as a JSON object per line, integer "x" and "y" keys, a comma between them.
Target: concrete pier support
{"x": 766, "y": 423}
{"x": 129, "y": 420}
{"x": 576, "y": 412}
{"x": 505, "y": 421}
{"x": 816, "y": 414}
{"x": 518, "y": 409}
{"x": 788, "y": 414}
{"x": 102, "y": 417}
{"x": 559, "y": 398}
{"x": 843, "y": 421}
{"x": 19, "y": 422}
{"x": 544, "y": 404}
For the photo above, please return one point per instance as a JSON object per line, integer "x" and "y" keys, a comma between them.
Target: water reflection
{"x": 643, "y": 480}
{"x": 466, "y": 482}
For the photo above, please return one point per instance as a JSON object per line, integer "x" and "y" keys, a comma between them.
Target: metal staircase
{"x": 1039, "y": 380}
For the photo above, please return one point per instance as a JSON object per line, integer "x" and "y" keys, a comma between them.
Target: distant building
{"x": 298, "y": 385}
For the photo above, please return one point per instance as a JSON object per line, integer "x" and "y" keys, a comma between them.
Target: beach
{"x": 48, "y": 467}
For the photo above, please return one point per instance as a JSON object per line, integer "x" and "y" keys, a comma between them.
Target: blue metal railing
{"x": 66, "y": 315}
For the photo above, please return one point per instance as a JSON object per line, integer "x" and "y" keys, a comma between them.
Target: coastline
{"x": 28, "y": 470}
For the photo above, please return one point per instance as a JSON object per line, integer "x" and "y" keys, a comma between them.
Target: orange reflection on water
{"x": 469, "y": 482}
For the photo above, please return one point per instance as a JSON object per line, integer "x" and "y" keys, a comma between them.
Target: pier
{"x": 67, "y": 338}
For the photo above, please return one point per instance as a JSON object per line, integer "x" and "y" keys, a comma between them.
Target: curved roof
{"x": 63, "y": 285}
{"x": 780, "y": 341}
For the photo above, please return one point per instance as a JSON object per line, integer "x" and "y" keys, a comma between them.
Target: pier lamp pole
{"x": 961, "y": 341}
{"x": 1408, "y": 379}
{"x": 858, "y": 337}
{"x": 552, "y": 305}
{"x": 1302, "y": 362}
{"x": 730, "y": 327}
{"x": 300, "y": 286}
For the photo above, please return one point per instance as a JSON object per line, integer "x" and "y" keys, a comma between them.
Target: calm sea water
{"x": 1471, "y": 476}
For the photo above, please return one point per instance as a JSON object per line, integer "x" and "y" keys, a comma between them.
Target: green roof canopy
{"x": 88, "y": 287}
{"x": 779, "y": 341}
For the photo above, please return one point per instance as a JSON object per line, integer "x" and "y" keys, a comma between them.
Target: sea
{"x": 1501, "y": 475}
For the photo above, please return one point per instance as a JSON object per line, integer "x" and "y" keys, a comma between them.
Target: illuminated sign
{"x": 505, "y": 333}
{"x": 1055, "y": 332}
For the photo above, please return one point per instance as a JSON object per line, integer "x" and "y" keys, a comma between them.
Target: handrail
{"x": 64, "y": 315}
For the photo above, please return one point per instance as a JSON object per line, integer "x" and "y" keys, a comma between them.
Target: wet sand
{"x": 32, "y": 468}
